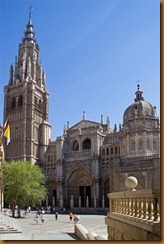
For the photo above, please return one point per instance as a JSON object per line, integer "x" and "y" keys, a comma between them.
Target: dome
{"x": 140, "y": 108}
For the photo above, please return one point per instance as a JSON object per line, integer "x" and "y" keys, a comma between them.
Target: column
{"x": 87, "y": 202}
{"x": 53, "y": 201}
{"x": 94, "y": 201}
{"x": 61, "y": 201}
{"x": 103, "y": 202}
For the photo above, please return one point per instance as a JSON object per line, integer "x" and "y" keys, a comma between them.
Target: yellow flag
{"x": 7, "y": 133}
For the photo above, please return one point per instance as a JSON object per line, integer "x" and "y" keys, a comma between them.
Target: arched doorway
{"x": 80, "y": 187}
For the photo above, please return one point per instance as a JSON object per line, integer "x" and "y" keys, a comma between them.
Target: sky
{"x": 93, "y": 52}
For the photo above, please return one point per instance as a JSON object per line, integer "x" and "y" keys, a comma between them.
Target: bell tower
{"x": 26, "y": 103}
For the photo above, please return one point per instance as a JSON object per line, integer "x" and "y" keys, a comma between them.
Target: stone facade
{"x": 90, "y": 159}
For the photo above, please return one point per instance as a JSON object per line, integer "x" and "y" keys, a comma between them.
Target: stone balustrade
{"x": 138, "y": 209}
{"x": 77, "y": 155}
{"x": 141, "y": 204}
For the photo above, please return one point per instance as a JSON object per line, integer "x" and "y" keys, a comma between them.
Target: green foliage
{"x": 24, "y": 183}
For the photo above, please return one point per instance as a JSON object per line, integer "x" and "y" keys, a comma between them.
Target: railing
{"x": 142, "y": 205}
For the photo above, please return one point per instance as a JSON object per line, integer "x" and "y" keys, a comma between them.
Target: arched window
{"x": 20, "y": 100}
{"x": 87, "y": 144}
{"x": 75, "y": 146}
{"x": 107, "y": 151}
{"x": 13, "y": 102}
{"x": 111, "y": 150}
{"x": 116, "y": 151}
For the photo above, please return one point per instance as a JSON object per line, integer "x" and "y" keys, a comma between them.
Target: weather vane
{"x": 30, "y": 11}
{"x": 138, "y": 84}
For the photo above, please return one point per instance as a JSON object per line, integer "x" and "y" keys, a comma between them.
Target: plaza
{"x": 51, "y": 229}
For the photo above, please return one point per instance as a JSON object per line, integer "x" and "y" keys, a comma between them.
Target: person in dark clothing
{"x": 56, "y": 215}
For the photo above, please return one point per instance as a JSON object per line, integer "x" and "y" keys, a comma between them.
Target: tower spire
{"x": 29, "y": 33}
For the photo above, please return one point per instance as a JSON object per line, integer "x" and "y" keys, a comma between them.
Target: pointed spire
{"x": 120, "y": 127}
{"x": 115, "y": 128}
{"x": 102, "y": 120}
{"x": 64, "y": 130}
{"x": 107, "y": 121}
{"x": 29, "y": 33}
{"x": 11, "y": 73}
{"x": 68, "y": 125}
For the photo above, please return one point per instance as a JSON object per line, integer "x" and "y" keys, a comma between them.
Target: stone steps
{"x": 9, "y": 224}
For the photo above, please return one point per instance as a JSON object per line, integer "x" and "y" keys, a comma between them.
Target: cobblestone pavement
{"x": 51, "y": 229}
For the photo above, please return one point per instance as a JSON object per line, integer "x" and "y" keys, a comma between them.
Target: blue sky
{"x": 93, "y": 52}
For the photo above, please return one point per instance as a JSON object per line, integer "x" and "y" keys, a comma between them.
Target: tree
{"x": 24, "y": 184}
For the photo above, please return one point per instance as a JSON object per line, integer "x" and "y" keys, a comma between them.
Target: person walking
{"x": 56, "y": 215}
{"x": 70, "y": 216}
{"x": 42, "y": 218}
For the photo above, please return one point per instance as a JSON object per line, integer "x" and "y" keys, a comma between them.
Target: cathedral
{"x": 90, "y": 159}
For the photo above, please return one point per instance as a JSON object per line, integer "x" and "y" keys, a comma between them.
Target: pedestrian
{"x": 29, "y": 209}
{"x": 42, "y": 211}
{"x": 56, "y": 215}
{"x": 39, "y": 212}
{"x": 70, "y": 216}
{"x": 36, "y": 218}
{"x": 42, "y": 218}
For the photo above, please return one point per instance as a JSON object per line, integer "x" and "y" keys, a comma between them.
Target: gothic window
{"x": 75, "y": 146}
{"x": 111, "y": 150}
{"x": 116, "y": 151}
{"x": 13, "y": 102}
{"x": 20, "y": 100}
{"x": 107, "y": 151}
{"x": 87, "y": 144}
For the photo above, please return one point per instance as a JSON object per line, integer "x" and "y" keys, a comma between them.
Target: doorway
{"x": 85, "y": 191}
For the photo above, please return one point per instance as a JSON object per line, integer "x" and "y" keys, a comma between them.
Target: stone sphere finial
{"x": 131, "y": 182}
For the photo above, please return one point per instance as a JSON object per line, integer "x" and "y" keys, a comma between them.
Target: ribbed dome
{"x": 140, "y": 108}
